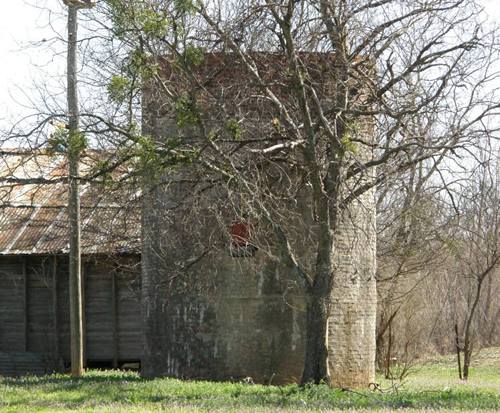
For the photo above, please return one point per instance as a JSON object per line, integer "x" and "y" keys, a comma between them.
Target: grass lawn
{"x": 431, "y": 386}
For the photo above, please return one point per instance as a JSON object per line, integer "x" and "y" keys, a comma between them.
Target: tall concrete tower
{"x": 218, "y": 305}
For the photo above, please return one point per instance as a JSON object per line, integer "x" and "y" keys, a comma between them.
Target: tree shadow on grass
{"x": 101, "y": 388}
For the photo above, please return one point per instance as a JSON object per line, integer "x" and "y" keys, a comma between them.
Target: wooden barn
{"x": 34, "y": 296}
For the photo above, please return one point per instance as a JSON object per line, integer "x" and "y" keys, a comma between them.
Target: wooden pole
{"x": 75, "y": 284}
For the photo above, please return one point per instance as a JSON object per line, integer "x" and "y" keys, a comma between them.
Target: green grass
{"x": 431, "y": 386}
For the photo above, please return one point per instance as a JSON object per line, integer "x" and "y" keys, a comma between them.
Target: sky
{"x": 23, "y": 22}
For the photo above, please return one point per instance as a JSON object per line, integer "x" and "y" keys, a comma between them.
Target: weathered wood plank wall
{"x": 34, "y": 304}
{"x": 11, "y": 305}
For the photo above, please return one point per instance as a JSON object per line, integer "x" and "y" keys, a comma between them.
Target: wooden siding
{"x": 129, "y": 317}
{"x": 34, "y": 309}
{"x": 98, "y": 314}
{"x": 40, "y": 334}
{"x": 21, "y": 363}
{"x": 11, "y": 305}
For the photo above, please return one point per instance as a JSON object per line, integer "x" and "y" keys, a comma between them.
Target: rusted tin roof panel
{"x": 38, "y": 224}
{"x": 33, "y": 216}
{"x": 13, "y": 221}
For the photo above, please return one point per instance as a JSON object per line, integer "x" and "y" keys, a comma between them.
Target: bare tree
{"x": 335, "y": 97}
{"x": 412, "y": 223}
{"x": 408, "y": 82}
{"x": 477, "y": 251}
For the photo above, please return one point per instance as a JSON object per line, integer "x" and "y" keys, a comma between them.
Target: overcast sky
{"x": 22, "y": 22}
{"x": 25, "y": 21}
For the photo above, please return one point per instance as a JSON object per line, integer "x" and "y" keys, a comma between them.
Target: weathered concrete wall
{"x": 351, "y": 332}
{"x": 259, "y": 328}
{"x": 237, "y": 317}
{"x": 223, "y": 318}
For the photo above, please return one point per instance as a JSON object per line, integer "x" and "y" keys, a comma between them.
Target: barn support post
{"x": 114, "y": 319}
{"x": 55, "y": 306}
{"x": 84, "y": 271}
{"x": 25, "y": 303}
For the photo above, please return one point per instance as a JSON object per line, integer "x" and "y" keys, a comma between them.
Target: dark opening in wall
{"x": 134, "y": 365}
{"x": 241, "y": 246}
{"x": 100, "y": 364}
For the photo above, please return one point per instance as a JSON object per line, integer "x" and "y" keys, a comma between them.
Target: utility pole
{"x": 74, "y": 148}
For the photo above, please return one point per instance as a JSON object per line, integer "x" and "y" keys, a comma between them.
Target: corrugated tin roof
{"x": 33, "y": 216}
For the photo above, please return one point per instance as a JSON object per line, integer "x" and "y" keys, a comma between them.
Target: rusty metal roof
{"x": 33, "y": 211}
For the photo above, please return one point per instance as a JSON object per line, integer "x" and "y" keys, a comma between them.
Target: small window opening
{"x": 241, "y": 246}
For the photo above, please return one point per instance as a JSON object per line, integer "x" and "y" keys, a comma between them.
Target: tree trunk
{"x": 75, "y": 284}
{"x": 468, "y": 327}
{"x": 457, "y": 347}
{"x": 318, "y": 306}
{"x": 467, "y": 360}
{"x": 388, "y": 354}
{"x": 316, "y": 362}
